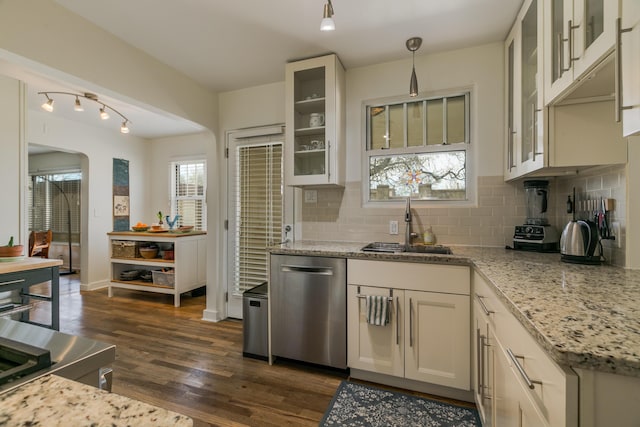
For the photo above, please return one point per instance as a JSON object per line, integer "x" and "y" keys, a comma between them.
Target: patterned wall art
{"x": 120, "y": 195}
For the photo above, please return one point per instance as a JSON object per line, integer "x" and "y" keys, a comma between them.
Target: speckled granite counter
{"x": 55, "y": 401}
{"x": 583, "y": 316}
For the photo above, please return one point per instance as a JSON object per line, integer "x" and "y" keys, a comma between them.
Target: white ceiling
{"x": 227, "y": 45}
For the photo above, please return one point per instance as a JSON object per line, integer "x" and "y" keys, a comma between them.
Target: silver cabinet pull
{"x": 326, "y": 271}
{"x": 520, "y": 369}
{"x": 328, "y": 161}
{"x": 410, "y": 323}
{"x": 571, "y": 40}
{"x": 482, "y": 304}
{"x": 397, "y": 321}
{"x": 533, "y": 131}
{"x": 618, "y": 69}
{"x": 12, "y": 282}
{"x": 479, "y": 374}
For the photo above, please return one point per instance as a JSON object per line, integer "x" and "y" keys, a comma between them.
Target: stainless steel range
{"x": 28, "y": 352}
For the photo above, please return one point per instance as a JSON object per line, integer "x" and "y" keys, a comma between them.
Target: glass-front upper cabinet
{"x": 578, "y": 35}
{"x": 315, "y": 132}
{"x": 525, "y": 138}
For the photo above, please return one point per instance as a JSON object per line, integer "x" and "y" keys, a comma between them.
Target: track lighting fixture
{"x": 327, "y": 23}
{"x": 413, "y": 44}
{"x": 48, "y": 106}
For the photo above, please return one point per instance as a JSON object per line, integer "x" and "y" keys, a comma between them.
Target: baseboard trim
{"x": 211, "y": 315}
{"x": 94, "y": 286}
{"x": 434, "y": 389}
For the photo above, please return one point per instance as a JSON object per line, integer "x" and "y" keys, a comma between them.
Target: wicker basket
{"x": 164, "y": 278}
{"x": 125, "y": 249}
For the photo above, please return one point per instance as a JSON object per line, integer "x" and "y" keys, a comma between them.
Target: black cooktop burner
{"x": 18, "y": 359}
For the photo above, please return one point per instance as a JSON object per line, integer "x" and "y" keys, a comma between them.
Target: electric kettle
{"x": 580, "y": 243}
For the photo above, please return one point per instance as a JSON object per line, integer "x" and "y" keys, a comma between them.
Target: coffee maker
{"x": 536, "y": 234}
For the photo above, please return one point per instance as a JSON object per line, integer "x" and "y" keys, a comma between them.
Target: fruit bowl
{"x": 185, "y": 228}
{"x": 138, "y": 228}
{"x": 11, "y": 251}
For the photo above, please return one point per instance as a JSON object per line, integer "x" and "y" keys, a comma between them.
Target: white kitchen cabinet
{"x": 315, "y": 122}
{"x": 551, "y": 396}
{"x": 578, "y": 34}
{"x": 427, "y": 339}
{"x": 188, "y": 263}
{"x": 630, "y": 67}
{"x": 526, "y": 115}
{"x": 483, "y": 361}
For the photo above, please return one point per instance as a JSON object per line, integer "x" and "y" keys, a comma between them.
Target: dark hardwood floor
{"x": 169, "y": 357}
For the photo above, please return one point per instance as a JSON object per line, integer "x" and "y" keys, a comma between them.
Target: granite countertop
{"x": 55, "y": 401}
{"x": 583, "y": 316}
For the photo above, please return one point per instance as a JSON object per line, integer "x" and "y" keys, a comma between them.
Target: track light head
{"x": 78, "y": 105}
{"x": 124, "y": 128}
{"x": 103, "y": 113}
{"x": 48, "y": 105}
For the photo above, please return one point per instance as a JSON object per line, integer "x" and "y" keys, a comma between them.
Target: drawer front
{"x": 452, "y": 279}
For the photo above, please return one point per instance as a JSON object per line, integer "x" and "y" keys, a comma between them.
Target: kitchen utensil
{"x": 580, "y": 243}
{"x": 536, "y": 234}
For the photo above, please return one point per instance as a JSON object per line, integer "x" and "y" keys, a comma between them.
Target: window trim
{"x": 173, "y": 164}
{"x": 469, "y": 147}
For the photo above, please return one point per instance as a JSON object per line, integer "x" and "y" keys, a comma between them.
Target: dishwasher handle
{"x": 307, "y": 269}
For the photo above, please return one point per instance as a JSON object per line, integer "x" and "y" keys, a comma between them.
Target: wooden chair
{"x": 39, "y": 242}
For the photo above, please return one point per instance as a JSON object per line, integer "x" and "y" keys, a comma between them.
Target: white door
{"x": 437, "y": 345}
{"x": 255, "y": 209}
{"x": 375, "y": 348}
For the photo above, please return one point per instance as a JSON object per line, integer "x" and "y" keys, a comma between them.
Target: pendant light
{"x": 413, "y": 44}
{"x": 327, "y": 23}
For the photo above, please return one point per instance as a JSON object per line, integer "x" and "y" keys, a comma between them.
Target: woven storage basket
{"x": 125, "y": 249}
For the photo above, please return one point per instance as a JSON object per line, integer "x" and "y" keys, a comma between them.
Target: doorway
{"x": 54, "y": 201}
{"x": 255, "y": 208}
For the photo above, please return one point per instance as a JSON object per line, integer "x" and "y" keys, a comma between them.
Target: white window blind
{"x": 259, "y": 211}
{"x": 188, "y": 190}
{"x": 54, "y": 200}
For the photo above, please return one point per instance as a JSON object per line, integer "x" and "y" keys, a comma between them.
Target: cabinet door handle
{"x": 479, "y": 374}
{"x": 571, "y": 40}
{"x": 520, "y": 369}
{"x": 328, "y": 160}
{"x": 560, "y": 55}
{"x": 410, "y": 323}
{"x": 397, "y": 321}
{"x": 483, "y": 305}
{"x": 12, "y": 282}
{"x": 618, "y": 69}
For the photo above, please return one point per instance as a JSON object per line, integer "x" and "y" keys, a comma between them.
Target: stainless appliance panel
{"x": 309, "y": 309}
{"x": 73, "y": 357}
{"x": 255, "y": 318}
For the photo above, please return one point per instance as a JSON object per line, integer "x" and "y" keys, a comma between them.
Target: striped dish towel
{"x": 377, "y": 310}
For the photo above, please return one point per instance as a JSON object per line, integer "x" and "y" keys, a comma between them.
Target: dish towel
{"x": 377, "y": 310}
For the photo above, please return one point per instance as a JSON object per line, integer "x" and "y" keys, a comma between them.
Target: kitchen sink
{"x": 388, "y": 247}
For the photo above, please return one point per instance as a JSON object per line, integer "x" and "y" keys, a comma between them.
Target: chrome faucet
{"x": 407, "y": 220}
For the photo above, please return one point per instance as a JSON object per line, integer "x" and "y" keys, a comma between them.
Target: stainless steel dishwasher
{"x": 309, "y": 309}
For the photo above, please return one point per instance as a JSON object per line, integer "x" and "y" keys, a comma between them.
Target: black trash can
{"x": 255, "y": 314}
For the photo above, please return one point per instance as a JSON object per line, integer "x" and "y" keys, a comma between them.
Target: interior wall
{"x": 43, "y": 36}
{"x": 12, "y": 166}
{"x": 100, "y": 146}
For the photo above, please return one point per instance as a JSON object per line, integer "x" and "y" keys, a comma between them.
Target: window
{"x": 54, "y": 203}
{"x": 418, "y": 149}
{"x": 188, "y": 191}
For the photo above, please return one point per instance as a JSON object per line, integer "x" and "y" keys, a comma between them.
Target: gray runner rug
{"x": 362, "y": 405}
